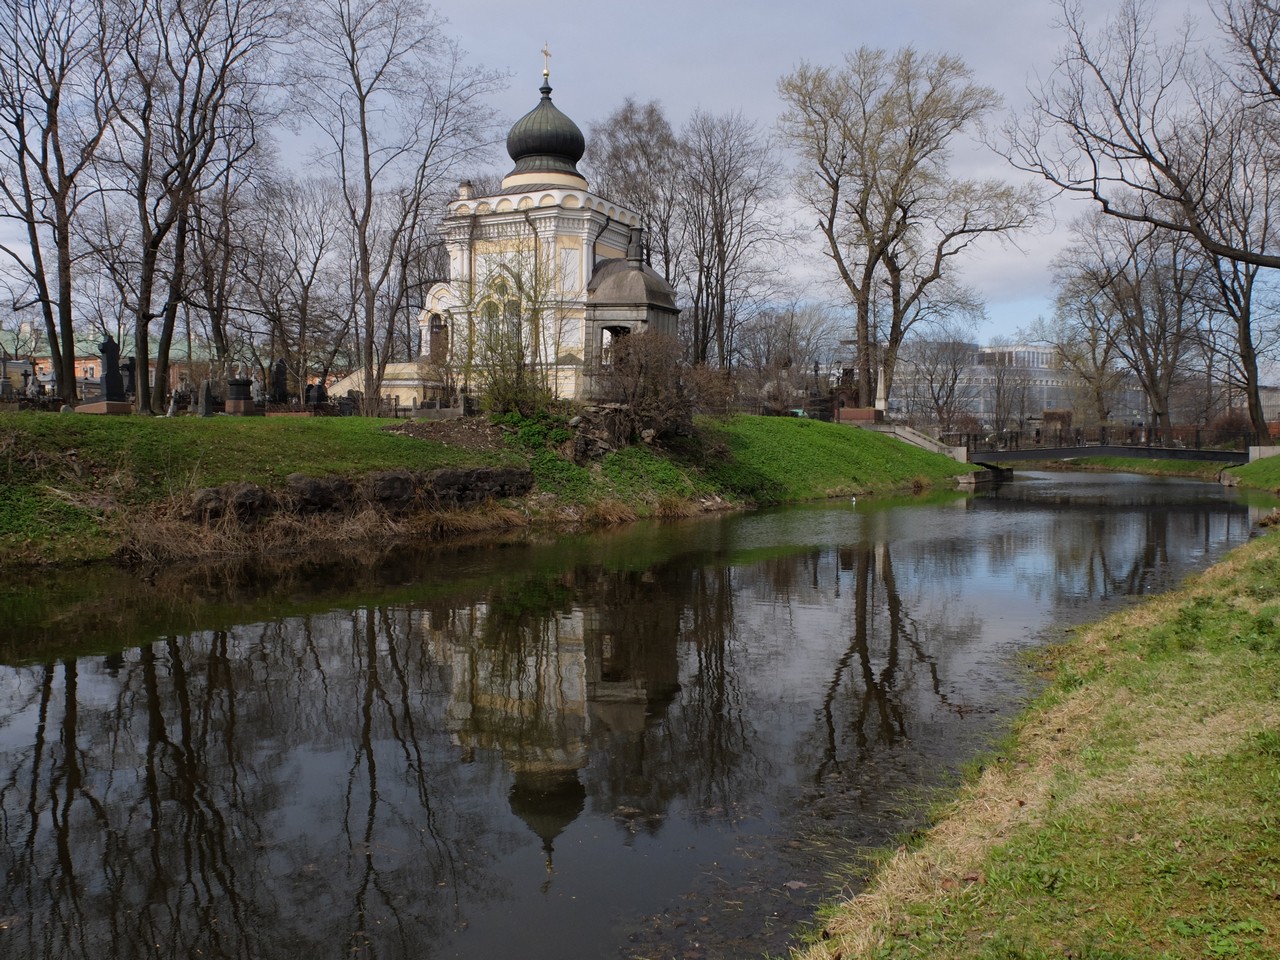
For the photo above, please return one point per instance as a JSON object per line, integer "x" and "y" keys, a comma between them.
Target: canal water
{"x": 668, "y": 740}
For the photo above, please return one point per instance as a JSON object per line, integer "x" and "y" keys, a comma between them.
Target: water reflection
{"x": 633, "y": 744}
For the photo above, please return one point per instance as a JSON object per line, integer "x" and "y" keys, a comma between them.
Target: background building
{"x": 960, "y": 386}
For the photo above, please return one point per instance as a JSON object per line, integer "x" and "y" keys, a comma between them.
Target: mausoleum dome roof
{"x": 544, "y": 140}
{"x": 627, "y": 282}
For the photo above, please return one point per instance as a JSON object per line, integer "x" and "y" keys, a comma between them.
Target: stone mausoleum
{"x": 545, "y": 260}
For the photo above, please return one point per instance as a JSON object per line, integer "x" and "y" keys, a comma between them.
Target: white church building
{"x": 545, "y": 268}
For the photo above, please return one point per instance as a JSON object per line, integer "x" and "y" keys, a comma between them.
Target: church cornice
{"x": 540, "y": 201}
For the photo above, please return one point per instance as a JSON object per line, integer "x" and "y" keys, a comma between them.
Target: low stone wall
{"x": 393, "y": 491}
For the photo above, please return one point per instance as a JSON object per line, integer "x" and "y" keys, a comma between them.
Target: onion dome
{"x": 545, "y": 144}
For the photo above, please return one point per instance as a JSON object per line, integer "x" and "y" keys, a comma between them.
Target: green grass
{"x": 1261, "y": 474}
{"x": 561, "y": 478}
{"x": 160, "y": 455}
{"x": 1205, "y": 470}
{"x": 1133, "y": 813}
{"x": 638, "y": 474}
{"x": 66, "y": 475}
{"x": 784, "y": 459}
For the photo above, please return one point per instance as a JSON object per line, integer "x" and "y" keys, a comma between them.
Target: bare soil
{"x": 467, "y": 433}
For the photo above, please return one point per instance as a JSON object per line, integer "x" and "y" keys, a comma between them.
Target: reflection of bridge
{"x": 983, "y": 453}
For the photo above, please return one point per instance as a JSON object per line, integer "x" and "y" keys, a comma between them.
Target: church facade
{"x": 527, "y": 279}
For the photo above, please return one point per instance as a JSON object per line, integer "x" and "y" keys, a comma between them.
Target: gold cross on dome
{"x": 546, "y": 61}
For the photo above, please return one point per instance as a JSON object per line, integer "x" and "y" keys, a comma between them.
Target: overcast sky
{"x": 727, "y": 56}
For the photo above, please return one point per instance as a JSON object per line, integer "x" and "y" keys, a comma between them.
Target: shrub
{"x": 647, "y": 377}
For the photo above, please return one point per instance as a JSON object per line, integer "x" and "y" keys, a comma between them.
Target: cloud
{"x": 725, "y": 57}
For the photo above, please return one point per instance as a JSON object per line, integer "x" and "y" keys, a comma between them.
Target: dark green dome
{"x": 544, "y": 140}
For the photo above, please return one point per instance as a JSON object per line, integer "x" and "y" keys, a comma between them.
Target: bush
{"x": 1230, "y": 428}
{"x": 647, "y": 377}
{"x": 538, "y": 431}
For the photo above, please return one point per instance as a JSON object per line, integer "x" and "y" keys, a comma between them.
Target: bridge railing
{"x": 1191, "y": 438}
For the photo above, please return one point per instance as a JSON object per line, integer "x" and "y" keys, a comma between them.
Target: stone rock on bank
{"x": 392, "y": 491}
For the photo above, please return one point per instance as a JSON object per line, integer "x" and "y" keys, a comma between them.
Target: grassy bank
{"x": 1261, "y": 474}
{"x": 72, "y": 482}
{"x": 78, "y": 487}
{"x": 1134, "y": 811}
{"x": 1207, "y": 470}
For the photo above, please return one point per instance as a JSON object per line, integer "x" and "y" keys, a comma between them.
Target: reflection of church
{"x": 545, "y": 690}
{"x": 543, "y": 266}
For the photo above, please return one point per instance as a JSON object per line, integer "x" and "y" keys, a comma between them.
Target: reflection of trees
{"x": 713, "y": 734}
{"x": 162, "y": 805}
{"x": 353, "y": 777}
{"x": 1104, "y": 551}
{"x": 892, "y": 656}
{"x": 661, "y": 736}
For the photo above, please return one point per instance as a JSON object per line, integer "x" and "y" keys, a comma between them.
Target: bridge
{"x": 1180, "y": 443}
{"x": 1067, "y": 444}
{"x": 1144, "y": 452}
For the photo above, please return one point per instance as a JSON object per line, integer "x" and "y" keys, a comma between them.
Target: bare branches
{"x": 728, "y": 181}
{"x": 1142, "y": 291}
{"x": 54, "y": 111}
{"x": 634, "y": 157}
{"x": 1154, "y": 132}
{"x": 1178, "y": 137}
{"x": 875, "y": 137}
{"x": 399, "y": 111}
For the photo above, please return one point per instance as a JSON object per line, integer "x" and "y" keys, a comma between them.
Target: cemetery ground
{"x": 83, "y": 489}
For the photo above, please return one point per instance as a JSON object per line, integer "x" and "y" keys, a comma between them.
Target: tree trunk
{"x": 170, "y": 315}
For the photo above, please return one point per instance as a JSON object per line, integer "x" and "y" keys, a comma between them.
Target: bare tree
{"x": 1010, "y": 382}
{"x": 937, "y": 362}
{"x": 20, "y": 339}
{"x": 1137, "y": 124}
{"x": 221, "y": 239}
{"x": 647, "y": 379}
{"x": 1080, "y": 336}
{"x": 789, "y": 349}
{"x": 1178, "y": 135}
{"x": 399, "y": 112}
{"x": 874, "y": 136}
{"x": 727, "y": 184}
{"x": 634, "y": 157}
{"x": 55, "y": 108}
{"x": 188, "y": 98}
{"x": 1147, "y": 287}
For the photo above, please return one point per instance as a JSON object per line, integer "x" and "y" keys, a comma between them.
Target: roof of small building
{"x": 624, "y": 280}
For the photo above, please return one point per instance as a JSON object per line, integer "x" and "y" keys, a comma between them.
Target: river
{"x": 667, "y": 740}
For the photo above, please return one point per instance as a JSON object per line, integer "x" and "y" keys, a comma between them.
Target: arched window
{"x": 438, "y": 339}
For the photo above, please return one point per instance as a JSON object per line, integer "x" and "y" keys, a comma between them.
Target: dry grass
{"x": 671, "y": 507}
{"x": 608, "y": 512}
{"x": 165, "y": 536}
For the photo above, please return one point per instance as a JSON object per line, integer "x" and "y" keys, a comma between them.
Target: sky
{"x": 722, "y": 57}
